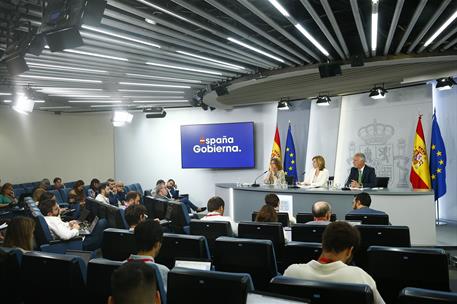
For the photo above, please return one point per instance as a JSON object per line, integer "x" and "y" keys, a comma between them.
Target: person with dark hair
{"x": 148, "y": 240}
{"x": 7, "y": 195}
{"x": 61, "y": 230}
{"x": 135, "y": 214}
{"x": 361, "y": 175}
{"x": 132, "y": 198}
{"x": 362, "y": 203}
{"x": 19, "y": 233}
{"x": 339, "y": 241}
{"x": 46, "y": 196}
{"x": 93, "y": 188}
{"x": 172, "y": 188}
{"x": 134, "y": 282}
{"x": 276, "y": 175}
{"x": 216, "y": 207}
{"x": 102, "y": 195}
{"x": 58, "y": 183}
{"x": 267, "y": 214}
{"x": 161, "y": 191}
{"x": 272, "y": 200}
{"x": 322, "y": 212}
{"x": 112, "y": 192}
{"x": 76, "y": 195}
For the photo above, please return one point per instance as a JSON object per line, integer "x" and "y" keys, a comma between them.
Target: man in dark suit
{"x": 361, "y": 176}
{"x": 362, "y": 203}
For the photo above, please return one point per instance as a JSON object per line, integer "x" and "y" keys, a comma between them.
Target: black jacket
{"x": 368, "y": 177}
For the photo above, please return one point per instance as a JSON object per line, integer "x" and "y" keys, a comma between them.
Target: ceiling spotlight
{"x": 23, "y": 104}
{"x": 120, "y": 118}
{"x": 323, "y": 101}
{"x": 444, "y": 83}
{"x": 378, "y": 93}
{"x": 283, "y": 105}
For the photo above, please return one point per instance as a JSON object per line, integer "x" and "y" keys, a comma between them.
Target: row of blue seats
{"x": 92, "y": 282}
{"x": 393, "y": 268}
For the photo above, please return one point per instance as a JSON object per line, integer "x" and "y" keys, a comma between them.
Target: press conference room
{"x": 228, "y": 151}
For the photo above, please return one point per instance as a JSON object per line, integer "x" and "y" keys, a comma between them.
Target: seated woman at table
{"x": 268, "y": 214}
{"x": 7, "y": 195}
{"x": 275, "y": 175}
{"x": 318, "y": 176}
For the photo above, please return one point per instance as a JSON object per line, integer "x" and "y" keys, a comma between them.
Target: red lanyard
{"x": 324, "y": 260}
{"x": 214, "y": 214}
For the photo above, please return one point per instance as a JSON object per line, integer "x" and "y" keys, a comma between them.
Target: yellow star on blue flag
{"x": 290, "y": 157}
{"x": 438, "y": 160}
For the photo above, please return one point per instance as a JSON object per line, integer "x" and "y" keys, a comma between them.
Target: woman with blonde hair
{"x": 318, "y": 176}
{"x": 19, "y": 233}
{"x": 275, "y": 174}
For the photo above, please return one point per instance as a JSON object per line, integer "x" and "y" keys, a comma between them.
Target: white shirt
{"x": 320, "y": 180}
{"x": 101, "y": 198}
{"x": 60, "y": 229}
{"x": 337, "y": 272}
{"x": 216, "y": 216}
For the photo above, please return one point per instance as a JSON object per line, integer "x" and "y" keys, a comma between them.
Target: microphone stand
{"x": 255, "y": 181}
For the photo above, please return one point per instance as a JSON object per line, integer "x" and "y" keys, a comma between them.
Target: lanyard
{"x": 141, "y": 260}
{"x": 324, "y": 260}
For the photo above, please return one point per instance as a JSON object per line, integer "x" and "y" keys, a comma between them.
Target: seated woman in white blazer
{"x": 318, "y": 176}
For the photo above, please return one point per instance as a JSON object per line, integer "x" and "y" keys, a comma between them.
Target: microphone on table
{"x": 255, "y": 181}
{"x": 304, "y": 172}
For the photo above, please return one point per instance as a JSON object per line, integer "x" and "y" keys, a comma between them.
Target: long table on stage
{"x": 405, "y": 207}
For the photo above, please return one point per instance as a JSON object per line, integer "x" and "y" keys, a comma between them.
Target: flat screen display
{"x": 225, "y": 145}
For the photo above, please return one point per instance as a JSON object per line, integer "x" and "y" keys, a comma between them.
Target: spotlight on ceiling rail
{"x": 378, "y": 92}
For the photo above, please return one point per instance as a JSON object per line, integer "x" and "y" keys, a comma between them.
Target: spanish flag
{"x": 276, "y": 151}
{"x": 420, "y": 172}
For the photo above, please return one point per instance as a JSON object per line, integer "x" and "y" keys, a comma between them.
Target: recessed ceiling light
{"x": 95, "y": 55}
{"x": 184, "y": 68}
{"x": 311, "y": 38}
{"x": 5, "y": 94}
{"x": 160, "y": 101}
{"x": 57, "y": 107}
{"x": 154, "y": 85}
{"x": 57, "y": 67}
{"x": 87, "y": 27}
{"x": 213, "y": 60}
{"x": 151, "y": 91}
{"x": 150, "y": 21}
{"x": 441, "y": 29}
{"x": 164, "y": 78}
{"x": 7, "y": 101}
{"x": 95, "y": 101}
{"x": 374, "y": 24}
{"x": 254, "y": 49}
{"x": 60, "y": 78}
{"x": 280, "y": 8}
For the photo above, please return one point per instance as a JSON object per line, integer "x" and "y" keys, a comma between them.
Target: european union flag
{"x": 437, "y": 161}
{"x": 290, "y": 159}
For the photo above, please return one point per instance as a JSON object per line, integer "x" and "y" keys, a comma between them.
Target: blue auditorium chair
{"x": 53, "y": 278}
{"x": 227, "y": 288}
{"x": 10, "y": 269}
{"x": 395, "y": 268}
{"x": 320, "y": 292}
{"x": 264, "y": 231}
{"x": 99, "y": 279}
{"x": 307, "y": 233}
{"x": 118, "y": 244}
{"x": 139, "y": 189}
{"x": 211, "y": 230}
{"x": 175, "y": 246}
{"x": 299, "y": 253}
{"x": 380, "y": 235}
{"x": 256, "y": 257}
{"x": 412, "y": 295}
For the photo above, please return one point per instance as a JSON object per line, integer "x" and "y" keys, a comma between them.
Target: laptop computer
{"x": 88, "y": 230}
